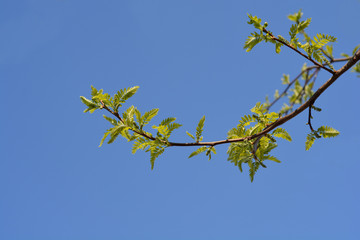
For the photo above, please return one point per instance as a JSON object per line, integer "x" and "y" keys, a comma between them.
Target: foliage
{"x": 253, "y": 139}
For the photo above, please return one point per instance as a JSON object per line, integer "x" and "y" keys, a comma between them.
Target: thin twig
{"x": 289, "y": 46}
{"x": 309, "y": 118}
{"x": 299, "y": 75}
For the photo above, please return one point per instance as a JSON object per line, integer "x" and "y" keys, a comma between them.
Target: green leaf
{"x": 296, "y": 16}
{"x": 167, "y": 121}
{"x": 252, "y": 41}
{"x": 259, "y": 109}
{"x": 278, "y": 47}
{"x": 140, "y": 143}
{"x": 128, "y": 116}
{"x": 285, "y": 79}
{"x": 104, "y": 137}
{"x": 304, "y": 24}
{"x": 310, "y": 139}
{"x": 282, "y": 133}
{"x": 111, "y": 120}
{"x": 173, "y": 126}
{"x": 355, "y": 49}
{"x": 149, "y": 115}
{"x": 316, "y": 108}
{"x": 199, "y": 128}
{"x": 115, "y": 132}
{"x": 318, "y": 56}
{"x": 272, "y": 158}
{"x": 94, "y": 91}
{"x": 198, "y": 151}
{"x": 276, "y": 95}
{"x": 253, "y": 169}
{"x": 155, "y": 153}
{"x": 190, "y": 135}
{"x": 329, "y": 50}
{"x": 138, "y": 117}
{"x": 328, "y": 132}
{"x": 162, "y": 129}
{"x": 246, "y": 120}
{"x": 91, "y": 106}
{"x": 255, "y": 21}
{"x": 125, "y": 94}
{"x": 356, "y": 69}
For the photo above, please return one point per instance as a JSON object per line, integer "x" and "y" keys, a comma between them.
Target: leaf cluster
{"x": 255, "y": 151}
{"x": 323, "y": 131}
{"x": 312, "y": 46}
{"x": 130, "y": 125}
{"x": 207, "y": 149}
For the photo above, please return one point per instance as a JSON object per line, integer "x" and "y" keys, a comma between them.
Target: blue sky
{"x": 188, "y": 60}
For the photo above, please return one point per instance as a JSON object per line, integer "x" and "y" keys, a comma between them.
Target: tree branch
{"x": 289, "y": 46}
{"x": 272, "y": 126}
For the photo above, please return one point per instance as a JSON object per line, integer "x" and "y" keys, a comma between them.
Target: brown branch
{"x": 309, "y": 118}
{"x": 116, "y": 114}
{"x": 289, "y": 46}
{"x": 272, "y": 126}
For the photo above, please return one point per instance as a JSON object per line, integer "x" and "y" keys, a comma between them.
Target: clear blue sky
{"x": 188, "y": 60}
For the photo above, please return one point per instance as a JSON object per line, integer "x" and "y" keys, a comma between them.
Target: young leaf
{"x": 304, "y": 24}
{"x": 282, "y": 133}
{"x": 199, "y": 128}
{"x": 155, "y": 153}
{"x": 285, "y": 79}
{"x": 104, "y": 137}
{"x": 327, "y": 132}
{"x": 111, "y": 120}
{"x": 355, "y": 49}
{"x": 251, "y": 41}
{"x": 198, "y": 151}
{"x": 271, "y": 158}
{"x": 91, "y": 106}
{"x": 167, "y": 121}
{"x": 278, "y": 47}
{"x": 310, "y": 139}
{"x": 296, "y": 16}
{"x": 149, "y": 115}
{"x": 190, "y": 135}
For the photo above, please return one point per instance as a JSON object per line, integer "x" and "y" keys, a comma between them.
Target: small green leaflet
{"x": 355, "y": 49}
{"x": 276, "y": 95}
{"x": 199, "y": 128}
{"x": 203, "y": 149}
{"x": 271, "y": 158}
{"x": 149, "y": 115}
{"x": 285, "y": 79}
{"x": 327, "y": 132}
{"x": 155, "y": 153}
{"x": 282, "y": 133}
{"x": 251, "y": 41}
{"x": 91, "y": 106}
{"x": 296, "y": 16}
{"x": 114, "y": 133}
{"x": 278, "y": 47}
{"x": 254, "y": 20}
{"x": 190, "y": 135}
{"x": 111, "y": 120}
{"x": 310, "y": 139}
{"x": 198, "y": 151}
